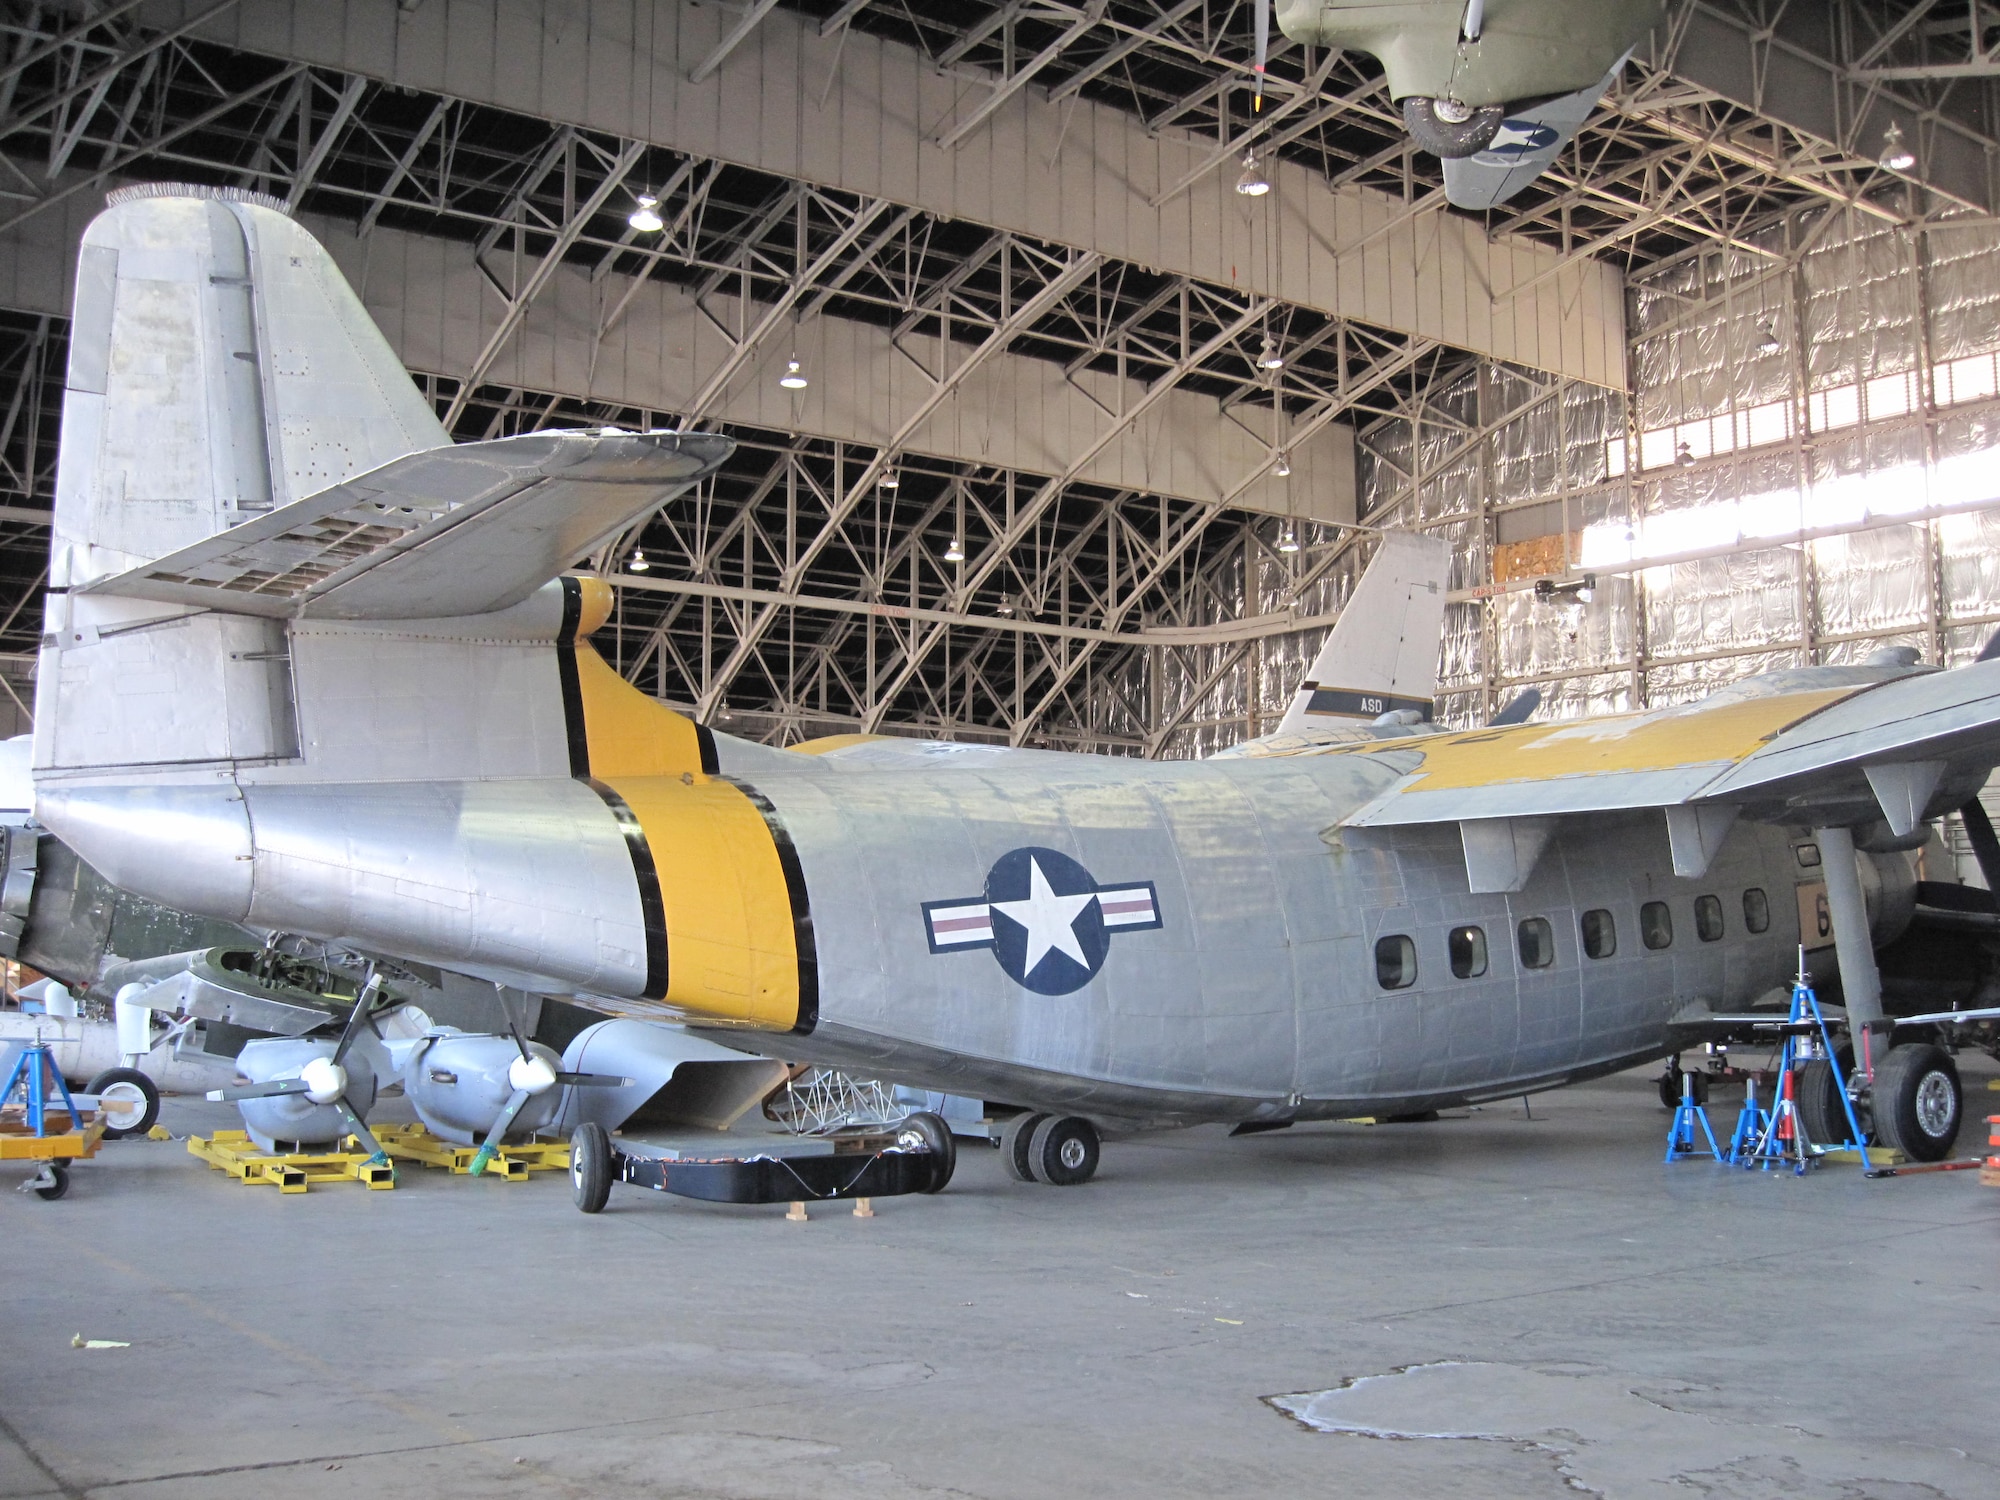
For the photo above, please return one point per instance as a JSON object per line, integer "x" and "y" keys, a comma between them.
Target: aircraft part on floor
{"x": 677, "y": 1078}
{"x": 459, "y": 1085}
{"x": 303, "y": 1117}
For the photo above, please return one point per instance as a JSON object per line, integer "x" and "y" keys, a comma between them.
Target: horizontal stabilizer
{"x": 450, "y": 531}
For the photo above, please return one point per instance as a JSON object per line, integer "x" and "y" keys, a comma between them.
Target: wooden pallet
{"x": 233, "y": 1152}
{"x": 510, "y": 1163}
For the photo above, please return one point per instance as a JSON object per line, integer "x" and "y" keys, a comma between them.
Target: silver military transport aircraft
{"x": 310, "y": 667}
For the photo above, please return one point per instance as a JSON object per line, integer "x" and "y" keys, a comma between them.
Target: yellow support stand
{"x": 234, "y": 1153}
{"x": 510, "y": 1163}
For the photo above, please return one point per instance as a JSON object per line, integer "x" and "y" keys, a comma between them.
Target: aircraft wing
{"x": 1830, "y": 756}
{"x": 450, "y": 531}
{"x": 1527, "y": 145}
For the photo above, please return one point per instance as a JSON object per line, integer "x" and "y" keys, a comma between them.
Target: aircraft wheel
{"x": 56, "y": 1186}
{"x": 130, "y": 1101}
{"x": 590, "y": 1166}
{"x": 1063, "y": 1151}
{"x": 1450, "y": 130}
{"x": 1670, "y": 1089}
{"x": 1819, "y": 1101}
{"x": 1015, "y": 1137}
{"x": 929, "y": 1132}
{"x": 1917, "y": 1102}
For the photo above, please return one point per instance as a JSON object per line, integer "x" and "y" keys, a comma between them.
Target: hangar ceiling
{"x": 885, "y": 552}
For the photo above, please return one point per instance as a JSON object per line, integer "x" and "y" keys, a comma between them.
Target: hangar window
{"x": 1756, "y": 910}
{"x": 1808, "y": 856}
{"x": 1468, "y": 951}
{"x": 1708, "y": 918}
{"x": 1600, "y": 934}
{"x": 1538, "y": 943}
{"x": 1656, "y": 925}
{"x": 1395, "y": 962}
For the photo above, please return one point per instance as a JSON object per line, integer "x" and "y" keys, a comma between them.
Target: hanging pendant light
{"x": 1896, "y": 156}
{"x": 890, "y": 480}
{"x": 1684, "y": 457}
{"x": 1268, "y": 357}
{"x": 1767, "y": 338}
{"x": 1288, "y": 540}
{"x": 794, "y": 378}
{"x": 646, "y": 217}
{"x": 638, "y": 564}
{"x": 1282, "y": 467}
{"x": 953, "y": 552}
{"x": 1253, "y": 183}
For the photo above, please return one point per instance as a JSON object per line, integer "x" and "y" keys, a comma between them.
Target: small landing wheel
{"x": 1063, "y": 1151}
{"x": 130, "y": 1101}
{"x": 1917, "y": 1102}
{"x": 1015, "y": 1137}
{"x": 929, "y": 1132}
{"x": 590, "y": 1166}
{"x": 1670, "y": 1089}
{"x": 53, "y": 1182}
{"x": 1449, "y": 130}
{"x": 1822, "y": 1106}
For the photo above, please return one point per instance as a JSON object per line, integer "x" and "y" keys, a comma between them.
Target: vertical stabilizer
{"x": 1382, "y": 654}
{"x": 220, "y": 366}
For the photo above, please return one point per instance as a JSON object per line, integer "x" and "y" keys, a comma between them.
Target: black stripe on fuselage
{"x": 572, "y": 685}
{"x": 652, "y": 909}
{"x": 795, "y": 889}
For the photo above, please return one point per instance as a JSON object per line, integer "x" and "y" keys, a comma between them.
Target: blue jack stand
{"x": 1751, "y": 1123}
{"x": 33, "y": 1071}
{"x": 1681, "y": 1142}
{"x": 1783, "y": 1140}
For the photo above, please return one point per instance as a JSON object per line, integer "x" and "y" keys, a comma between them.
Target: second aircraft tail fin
{"x": 1382, "y": 654}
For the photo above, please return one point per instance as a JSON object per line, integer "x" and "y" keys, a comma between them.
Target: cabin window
{"x": 1600, "y": 934}
{"x": 1656, "y": 925}
{"x": 1395, "y": 962}
{"x": 1537, "y": 942}
{"x": 1756, "y": 910}
{"x": 1468, "y": 951}
{"x": 1808, "y": 856}
{"x": 1708, "y": 918}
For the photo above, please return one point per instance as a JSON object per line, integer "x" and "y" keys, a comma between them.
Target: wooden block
{"x": 863, "y": 1209}
{"x": 796, "y": 1213}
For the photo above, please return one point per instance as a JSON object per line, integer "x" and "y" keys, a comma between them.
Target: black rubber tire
{"x": 1819, "y": 1101}
{"x": 149, "y": 1091}
{"x": 1917, "y": 1101}
{"x": 1449, "y": 140}
{"x": 1670, "y": 1089}
{"x": 1063, "y": 1151}
{"x": 1015, "y": 1136}
{"x": 57, "y": 1188}
{"x": 932, "y": 1133}
{"x": 590, "y": 1167}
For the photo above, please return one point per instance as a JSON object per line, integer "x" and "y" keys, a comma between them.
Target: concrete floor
{"x": 1284, "y": 1315}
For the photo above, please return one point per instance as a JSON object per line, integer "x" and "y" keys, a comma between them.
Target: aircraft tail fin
{"x": 1527, "y": 145}
{"x": 1382, "y": 654}
{"x": 220, "y": 368}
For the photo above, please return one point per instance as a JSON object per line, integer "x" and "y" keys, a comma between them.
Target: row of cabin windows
{"x": 1535, "y": 939}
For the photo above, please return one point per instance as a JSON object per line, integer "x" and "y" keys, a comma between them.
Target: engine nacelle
{"x": 459, "y": 1082}
{"x": 294, "y": 1118}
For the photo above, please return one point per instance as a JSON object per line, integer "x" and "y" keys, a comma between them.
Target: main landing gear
{"x": 1060, "y": 1150}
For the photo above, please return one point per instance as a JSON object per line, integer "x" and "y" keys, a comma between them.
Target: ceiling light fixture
{"x": 1283, "y": 466}
{"x": 1767, "y": 338}
{"x": 1684, "y": 457}
{"x": 889, "y": 478}
{"x": 1895, "y": 155}
{"x": 1268, "y": 358}
{"x": 954, "y": 552}
{"x": 793, "y": 379}
{"x": 646, "y": 217}
{"x": 1252, "y": 184}
{"x": 1288, "y": 540}
{"x": 638, "y": 564}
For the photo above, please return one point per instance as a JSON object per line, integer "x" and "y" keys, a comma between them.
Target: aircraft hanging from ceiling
{"x": 1494, "y": 88}
{"x": 310, "y": 668}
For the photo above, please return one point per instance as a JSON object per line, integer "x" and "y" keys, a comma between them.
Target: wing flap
{"x": 449, "y": 531}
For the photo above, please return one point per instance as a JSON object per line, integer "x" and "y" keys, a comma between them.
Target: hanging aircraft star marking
{"x": 1045, "y": 918}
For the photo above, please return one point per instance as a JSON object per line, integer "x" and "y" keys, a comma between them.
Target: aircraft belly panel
{"x": 529, "y": 877}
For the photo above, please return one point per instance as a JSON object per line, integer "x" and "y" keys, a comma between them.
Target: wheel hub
{"x": 1451, "y": 111}
{"x": 1935, "y": 1104}
{"x": 1072, "y": 1153}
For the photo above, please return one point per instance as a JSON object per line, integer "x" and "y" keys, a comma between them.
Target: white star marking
{"x": 1049, "y": 918}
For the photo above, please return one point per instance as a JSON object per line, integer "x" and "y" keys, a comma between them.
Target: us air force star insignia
{"x": 1047, "y": 921}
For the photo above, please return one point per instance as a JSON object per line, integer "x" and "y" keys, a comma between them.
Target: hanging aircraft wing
{"x": 1528, "y": 143}
{"x": 460, "y": 530}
